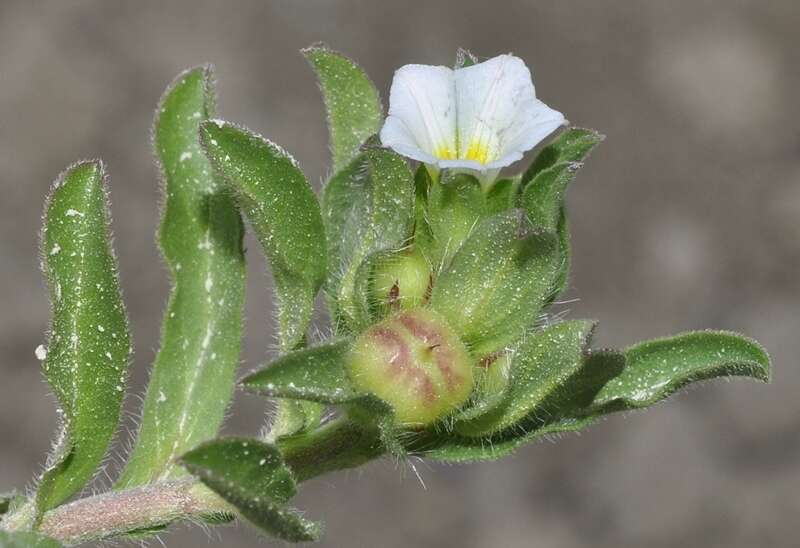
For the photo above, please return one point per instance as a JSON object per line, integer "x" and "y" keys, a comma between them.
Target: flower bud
{"x": 414, "y": 362}
{"x": 400, "y": 281}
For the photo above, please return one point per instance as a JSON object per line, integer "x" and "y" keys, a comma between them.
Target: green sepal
{"x": 573, "y": 145}
{"x": 497, "y": 283}
{"x": 423, "y": 236}
{"x": 492, "y": 387}
{"x": 369, "y": 410}
{"x": 351, "y": 100}
{"x": 252, "y": 476}
{"x": 368, "y": 206}
{"x": 455, "y": 205}
{"x": 540, "y": 367}
{"x": 502, "y": 195}
{"x": 19, "y": 539}
{"x": 544, "y": 186}
{"x": 655, "y": 369}
{"x": 284, "y": 213}
{"x": 88, "y": 345}
{"x": 295, "y": 417}
{"x": 200, "y": 238}
{"x": 317, "y": 373}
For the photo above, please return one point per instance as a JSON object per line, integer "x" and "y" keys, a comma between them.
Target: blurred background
{"x": 687, "y": 217}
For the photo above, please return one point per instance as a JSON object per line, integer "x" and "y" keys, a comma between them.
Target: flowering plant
{"x": 438, "y": 280}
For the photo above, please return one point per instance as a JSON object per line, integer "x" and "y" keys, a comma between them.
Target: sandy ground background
{"x": 687, "y": 217}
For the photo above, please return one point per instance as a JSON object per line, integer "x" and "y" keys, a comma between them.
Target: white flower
{"x": 482, "y": 117}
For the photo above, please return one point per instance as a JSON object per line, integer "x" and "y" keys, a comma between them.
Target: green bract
{"x": 438, "y": 282}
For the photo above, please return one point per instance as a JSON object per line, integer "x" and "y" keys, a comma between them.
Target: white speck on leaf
{"x": 41, "y": 352}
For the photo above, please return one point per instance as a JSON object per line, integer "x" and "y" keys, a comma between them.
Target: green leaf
{"x": 448, "y": 447}
{"x": 502, "y": 196}
{"x": 567, "y": 408}
{"x": 351, "y": 100}
{"x": 655, "y": 369}
{"x": 89, "y": 345}
{"x": 26, "y": 540}
{"x": 252, "y": 476}
{"x": 541, "y": 366}
{"x": 294, "y": 417}
{"x": 544, "y": 187}
{"x": 456, "y": 204}
{"x": 497, "y": 283}
{"x": 282, "y": 208}
{"x": 200, "y": 237}
{"x": 317, "y": 373}
{"x": 573, "y": 145}
{"x": 367, "y": 207}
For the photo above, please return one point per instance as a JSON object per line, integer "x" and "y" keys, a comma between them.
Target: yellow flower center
{"x": 478, "y": 151}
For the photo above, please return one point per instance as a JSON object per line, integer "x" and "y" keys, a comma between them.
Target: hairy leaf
{"x": 573, "y": 145}
{"x": 252, "y": 476}
{"x": 655, "y": 369}
{"x": 317, "y": 374}
{"x": 192, "y": 379}
{"x": 282, "y": 208}
{"x": 89, "y": 345}
{"x": 568, "y": 408}
{"x": 368, "y": 206}
{"x": 351, "y": 100}
{"x": 497, "y": 282}
{"x": 541, "y": 365}
{"x": 502, "y": 196}
{"x": 455, "y": 206}
{"x": 448, "y": 447}
{"x": 544, "y": 186}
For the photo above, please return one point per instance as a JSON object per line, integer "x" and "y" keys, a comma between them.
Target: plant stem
{"x": 118, "y": 512}
{"x": 337, "y": 445}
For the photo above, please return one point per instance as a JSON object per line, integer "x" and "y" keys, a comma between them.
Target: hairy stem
{"x": 337, "y": 445}
{"x": 112, "y": 514}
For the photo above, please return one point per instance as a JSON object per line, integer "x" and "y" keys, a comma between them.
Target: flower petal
{"x": 422, "y": 118}
{"x": 499, "y": 116}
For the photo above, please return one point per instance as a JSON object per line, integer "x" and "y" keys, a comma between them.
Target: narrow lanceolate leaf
{"x": 201, "y": 240}
{"x": 316, "y": 374}
{"x": 497, "y": 282}
{"x": 655, "y": 369}
{"x": 88, "y": 348}
{"x": 26, "y": 540}
{"x": 544, "y": 187}
{"x": 283, "y": 211}
{"x": 351, "y": 100}
{"x": 252, "y": 476}
{"x": 541, "y": 366}
{"x": 367, "y": 207}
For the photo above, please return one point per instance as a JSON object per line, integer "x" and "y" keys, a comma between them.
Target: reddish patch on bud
{"x": 414, "y": 362}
